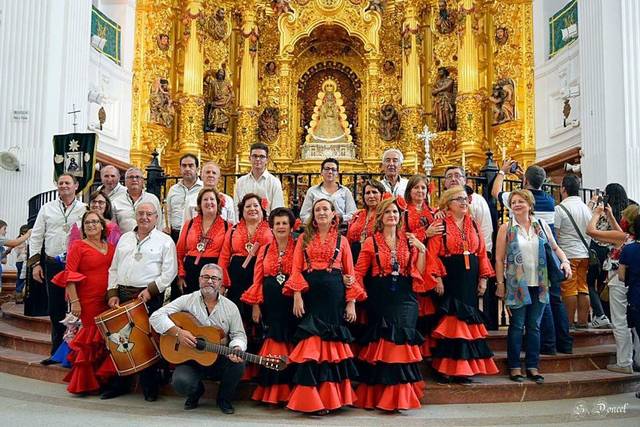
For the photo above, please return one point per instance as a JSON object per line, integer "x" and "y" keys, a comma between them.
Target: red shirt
{"x": 417, "y": 222}
{"x": 235, "y": 244}
{"x": 360, "y": 220}
{"x": 190, "y": 236}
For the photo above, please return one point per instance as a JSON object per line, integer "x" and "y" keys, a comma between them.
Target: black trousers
{"x": 56, "y": 303}
{"x": 187, "y": 378}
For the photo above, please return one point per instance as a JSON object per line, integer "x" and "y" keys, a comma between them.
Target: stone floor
{"x": 27, "y": 402}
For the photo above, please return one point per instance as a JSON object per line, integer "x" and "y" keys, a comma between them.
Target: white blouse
{"x": 528, "y": 244}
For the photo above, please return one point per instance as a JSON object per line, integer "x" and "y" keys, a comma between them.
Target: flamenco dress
{"x": 459, "y": 257}
{"x": 417, "y": 221}
{"x": 390, "y": 376}
{"x": 238, "y": 279}
{"x": 91, "y": 364}
{"x": 270, "y": 273}
{"x": 322, "y": 359}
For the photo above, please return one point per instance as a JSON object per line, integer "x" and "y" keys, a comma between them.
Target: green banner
{"x": 75, "y": 154}
{"x": 105, "y": 35}
{"x": 563, "y": 28}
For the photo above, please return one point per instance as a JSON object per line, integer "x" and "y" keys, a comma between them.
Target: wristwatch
{"x": 501, "y": 172}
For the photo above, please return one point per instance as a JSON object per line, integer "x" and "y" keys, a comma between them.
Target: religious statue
{"x": 389, "y": 67}
{"x": 446, "y": 19}
{"x": 161, "y": 107}
{"x": 502, "y": 35}
{"x": 329, "y": 121}
{"x": 270, "y": 68}
{"x": 503, "y": 102}
{"x": 217, "y": 25}
{"x": 280, "y": 6}
{"x": 375, "y": 6}
{"x": 269, "y": 124}
{"x": 163, "y": 42}
{"x": 444, "y": 101}
{"x": 389, "y": 123}
{"x": 219, "y": 102}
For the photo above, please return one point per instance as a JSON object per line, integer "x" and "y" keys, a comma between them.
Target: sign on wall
{"x": 105, "y": 35}
{"x": 563, "y": 28}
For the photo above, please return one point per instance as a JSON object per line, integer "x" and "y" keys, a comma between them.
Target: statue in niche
{"x": 161, "y": 107}
{"x": 503, "y": 101}
{"x": 219, "y": 102}
{"x": 375, "y": 6}
{"x": 389, "y": 67}
{"x": 217, "y": 25}
{"x": 270, "y": 68}
{"x": 269, "y": 124}
{"x": 329, "y": 121}
{"x": 444, "y": 101}
{"x": 281, "y": 6}
{"x": 163, "y": 42}
{"x": 502, "y": 35}
{"x": 389, "y": 122}
{"x": 446, "y": 19}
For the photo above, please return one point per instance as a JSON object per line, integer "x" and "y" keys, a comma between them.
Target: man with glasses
{"x": 329, "y": 189}
{"x": 391, "y": 164}
{"x": 125, "y": 204}
{"x": 110, "y": 178}
{"x": 188, "y": 187}
{"x": 143, "y": 267}
{"x": 454, "y": 175}
{"x": 210, "y": 308}
{"x": 259, "y": 180}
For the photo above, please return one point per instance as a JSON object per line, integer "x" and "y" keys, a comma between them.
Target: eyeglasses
{"x": 208, "y": 278}
{"x": 134, "y": 177}
{"x": 98, "y": 202}
{"x": 92, "y": 222}
{"x": 333, "y": 170}
{"x": 461, "y": 200}
{"x": 453, "y": 175}
{"x": 258, "y": 157}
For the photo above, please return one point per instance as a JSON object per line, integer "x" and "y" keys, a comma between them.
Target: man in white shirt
{"x": 575, "y": 244}
{"x": 210, "y": 309}
{"x": 210, "y": 176}
{"x": 124, "y": 205}
{"x": 179, "y": 193}
{"x": 455, "y": 175}
{"x": 391, "y": 165}
{"x": 143, "y": 267}
{"x": 110, "y": 178}
{"x": 259, "y": 180}
{"x": 51, "y": 233}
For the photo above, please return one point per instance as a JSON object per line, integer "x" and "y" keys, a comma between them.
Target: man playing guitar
{"x": 210, "y": 309}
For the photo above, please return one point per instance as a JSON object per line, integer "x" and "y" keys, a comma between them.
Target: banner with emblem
{"x": 75, "y": 154}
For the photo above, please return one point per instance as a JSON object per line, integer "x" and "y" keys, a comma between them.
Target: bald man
{"x": 110, "y": 178}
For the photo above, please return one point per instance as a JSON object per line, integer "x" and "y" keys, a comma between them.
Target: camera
{"x": 514, "y": 167}
{"x": 605, "y": 199}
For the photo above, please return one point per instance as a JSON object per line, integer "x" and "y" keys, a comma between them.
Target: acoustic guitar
{"x": 208, "y": 346}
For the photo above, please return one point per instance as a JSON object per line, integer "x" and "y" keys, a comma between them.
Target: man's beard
{"x": 209, "y": 291}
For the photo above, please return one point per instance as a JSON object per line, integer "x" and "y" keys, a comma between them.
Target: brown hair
{"x": 413, "y": 181}
{"x": 382, "y": 206}
{"x": 244, "y": 201}
{"x": 201, "y": 194}
{"x": 310, "y": 229}
{"x": 103, "y": 235}
{"x": 281, "y": 212}
{"x": 375, "y": 184}
{"x": 108, "y": 211}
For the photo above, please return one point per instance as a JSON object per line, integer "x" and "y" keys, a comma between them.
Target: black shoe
{"x": 225, "y": 406}
{"x": 110, "y": 393}
{"x": 193, "y": 400}
{"x": 461, "y": 380}
{"x": 48, "y": 361}
{"x": 548, "y": 352}
{"x": 537, "y": 378}
{"x": 517, "y": 378}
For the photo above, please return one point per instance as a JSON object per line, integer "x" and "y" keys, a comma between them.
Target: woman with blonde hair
{"x": 521, "y": 264}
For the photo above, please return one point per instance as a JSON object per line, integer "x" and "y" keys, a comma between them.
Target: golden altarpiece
{"x": 333, "y": 78}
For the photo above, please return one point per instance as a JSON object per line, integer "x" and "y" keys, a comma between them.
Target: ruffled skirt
{"x": 91, "y": 365}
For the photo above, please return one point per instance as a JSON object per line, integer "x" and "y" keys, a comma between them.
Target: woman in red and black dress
{"x": 273, "y": 268}
{"x": 418, "y": 219}
{"x": 322, "y": 359}
{"x": 85, "y": 277}
{"x": 391, "y": 264}
{"x": 201, "y": 239}
{"x": 457, "y": 263}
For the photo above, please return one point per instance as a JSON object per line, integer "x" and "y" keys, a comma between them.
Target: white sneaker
{"x": 601, "y": 322}
{"x": 614, "y": 367}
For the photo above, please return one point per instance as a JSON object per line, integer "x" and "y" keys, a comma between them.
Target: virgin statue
{"x": 329, "y": 122}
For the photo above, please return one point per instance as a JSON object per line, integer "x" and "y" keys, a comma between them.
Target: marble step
{"x": 497, "y": 340}
{"x": 25, "y": 340}
{"x": 26, "y": 364}
{"x": 13, "y": 314}
{"x": 583, "y": 359}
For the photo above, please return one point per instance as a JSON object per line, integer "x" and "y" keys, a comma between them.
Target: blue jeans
{"x": 19, "y": 281}
{"x": 529, "y": 316}
{"x": 554, "y": 328}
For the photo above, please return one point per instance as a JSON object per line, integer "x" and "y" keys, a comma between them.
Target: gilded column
{"x": 411, "y": 90}
{"x": 469, "y": 116}
{"x": 248, "y": 102}
{"x": 191, "y": 121}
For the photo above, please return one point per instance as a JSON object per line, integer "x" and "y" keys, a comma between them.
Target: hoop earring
{"x": 334, "y": 221}
{"x": 314, "y": 223}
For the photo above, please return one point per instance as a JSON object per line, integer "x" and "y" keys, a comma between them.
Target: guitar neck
{"x": 225, "y": 351}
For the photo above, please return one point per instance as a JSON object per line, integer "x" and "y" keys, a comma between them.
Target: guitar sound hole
{"x": 200, "y": 344}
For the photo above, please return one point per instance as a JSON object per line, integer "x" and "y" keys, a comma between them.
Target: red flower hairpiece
{"x": 221, "y": 200}
{"x": 264, "y": 202}
{"x": 297, "y": 224}
{"x": 431, "y": 187}
{"x": 386, "y": 195}
{"x": 402, "y": 203}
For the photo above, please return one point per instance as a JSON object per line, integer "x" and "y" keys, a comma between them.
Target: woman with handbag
{"x": 524, "y": 262}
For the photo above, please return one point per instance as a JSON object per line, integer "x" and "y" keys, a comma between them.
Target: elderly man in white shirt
{"x": 259, "y": 181}
{"x": 391, "y": 165}
{"x": 480, "y": 212}
{"x": 124, "y": 205}
{"x": 329, "y": 189}
{"x": 51, "y": 233}
{"x": 210, "y": 176}
{"x": 180, "y": 193}
{"x": 573, "y": 213}
{"x": 110, "y": 178}
{"x": 143, "y": 267}
{"x": 210, "y": 309}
